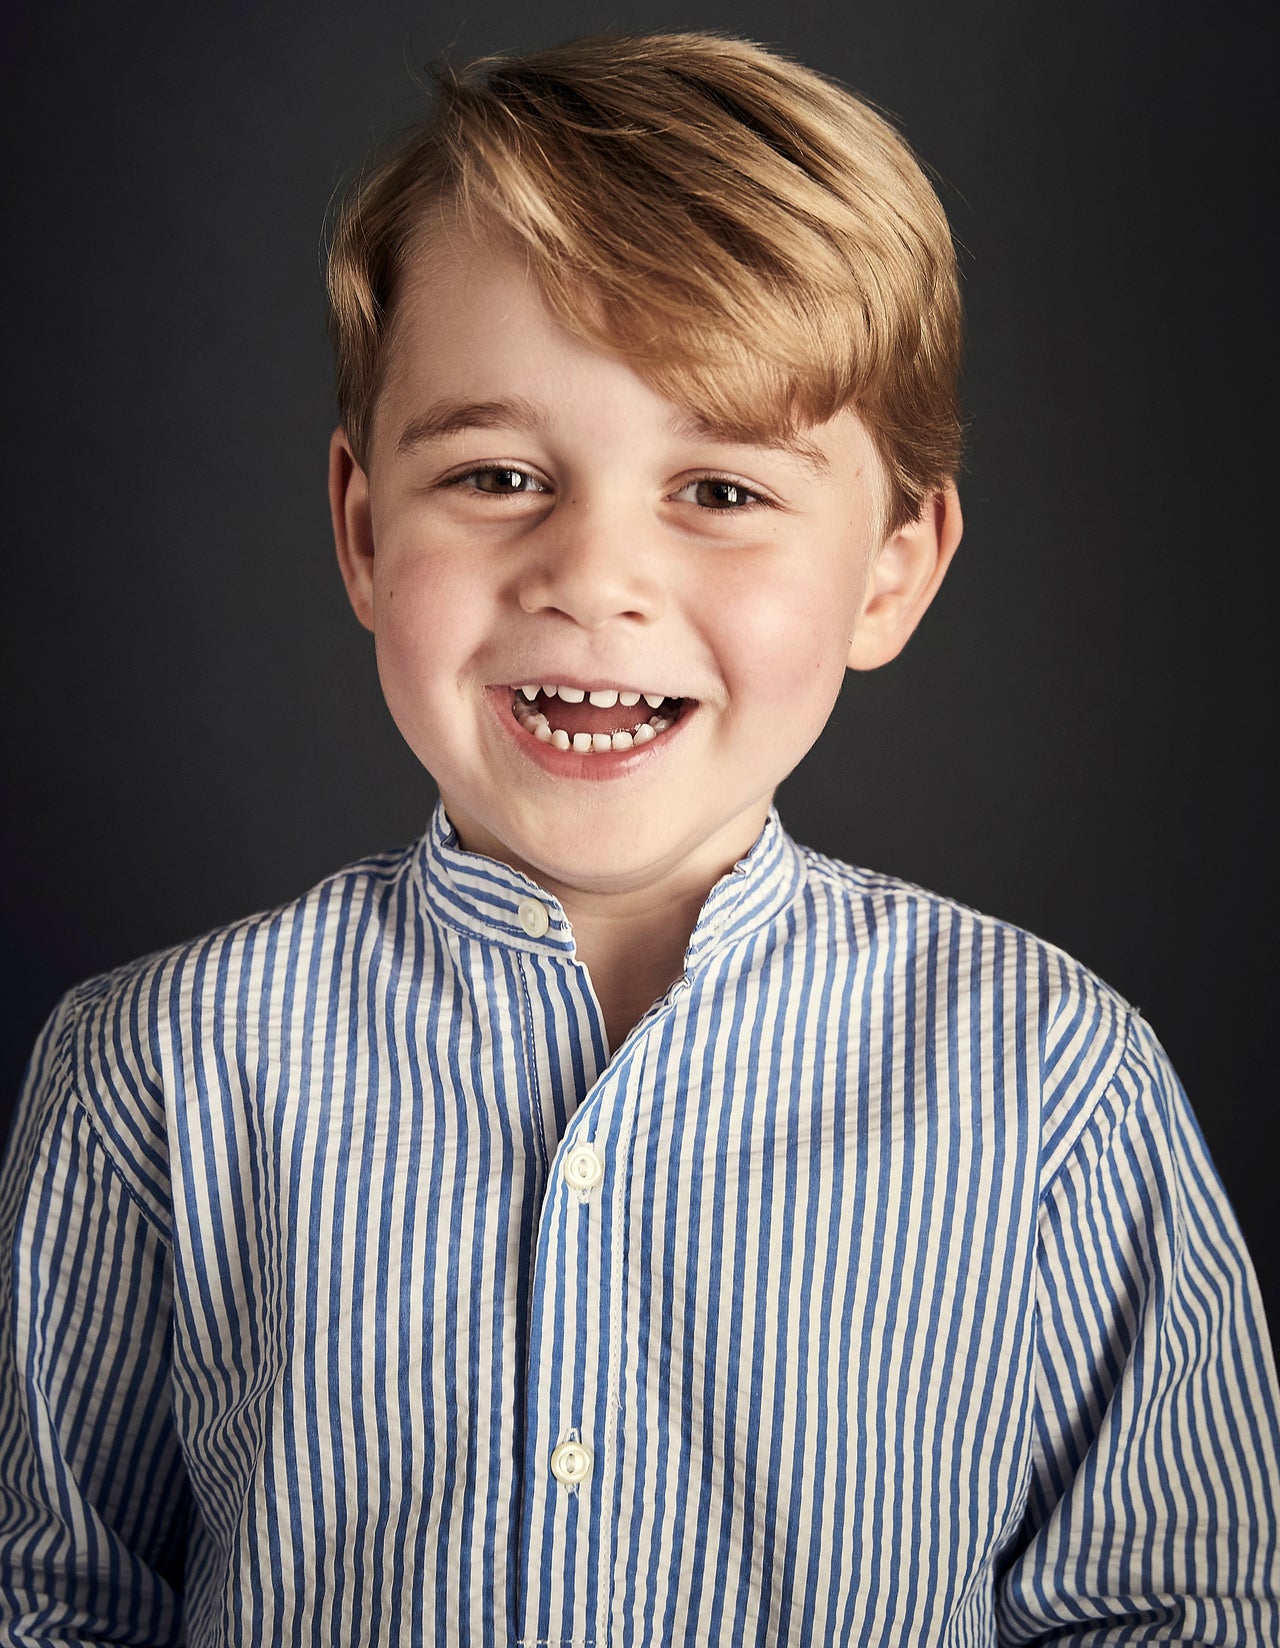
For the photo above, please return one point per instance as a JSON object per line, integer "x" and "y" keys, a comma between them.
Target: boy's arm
{"x": 93, "y": 1499}
{"x": 1151, "y": 1514}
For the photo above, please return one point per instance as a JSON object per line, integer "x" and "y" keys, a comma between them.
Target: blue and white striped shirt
{"x": 877, "y": 1290}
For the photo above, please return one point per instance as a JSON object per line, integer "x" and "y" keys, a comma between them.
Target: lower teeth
{"x": 588, "y": 743}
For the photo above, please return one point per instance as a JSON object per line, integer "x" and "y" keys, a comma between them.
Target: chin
{"x": 593, "y": 870}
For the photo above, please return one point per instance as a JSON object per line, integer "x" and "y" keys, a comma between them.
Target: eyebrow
{"x": 454, "y": 417}
{"x": 698, "y": 427}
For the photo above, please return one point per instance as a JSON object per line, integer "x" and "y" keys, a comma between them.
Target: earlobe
{"x": 352, "y": 525}
{"x": 905, "y": 578}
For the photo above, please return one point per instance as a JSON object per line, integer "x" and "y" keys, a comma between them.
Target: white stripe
{"x": 908, "y": 1309}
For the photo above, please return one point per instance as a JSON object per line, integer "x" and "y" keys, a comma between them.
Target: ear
{"x": 906, "y": 576}
{"x": 352, "y": 525}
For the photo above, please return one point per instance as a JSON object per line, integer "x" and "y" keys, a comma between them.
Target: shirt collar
{"x": 488, "y": 899}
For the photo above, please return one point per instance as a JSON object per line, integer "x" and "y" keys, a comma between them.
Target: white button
{"x": 571, "y": 1463}
{"x": 582, "y": 1168}
{"x": 533, "y": 917}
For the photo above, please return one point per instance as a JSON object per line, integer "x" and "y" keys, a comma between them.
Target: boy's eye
{"x": 501, "y": 479}
{"x": 713, "y": 492}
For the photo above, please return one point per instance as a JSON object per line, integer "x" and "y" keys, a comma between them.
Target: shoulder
{"x": 1047, "y": 1014}
{"x": 882, "y": 908}
{"x": 119, "y": 1046}
{"x": 270, "y": 942}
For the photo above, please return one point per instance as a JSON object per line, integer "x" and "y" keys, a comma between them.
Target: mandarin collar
{"x": 487, "y": 899}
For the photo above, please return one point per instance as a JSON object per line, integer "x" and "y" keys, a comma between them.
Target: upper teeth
{"x": 535, "y": 722}
{"x": 604, "y": 698}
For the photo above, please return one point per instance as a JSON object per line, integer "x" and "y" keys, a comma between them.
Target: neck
{"x": 633, "y": 955}
{"x": 632, "y": 940}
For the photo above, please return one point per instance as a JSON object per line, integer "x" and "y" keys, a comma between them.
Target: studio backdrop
{"x": 1077, "y": 740}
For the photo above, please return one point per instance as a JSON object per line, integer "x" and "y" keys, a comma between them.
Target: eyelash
{"x": 752, "y": 500}
{"x": 468, "y": 477}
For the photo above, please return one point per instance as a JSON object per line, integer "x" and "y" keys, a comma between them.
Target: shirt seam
{"x": 512, "y": 941}
{"x": 69, "y": 1076}
{"x": 554, "y": 1642}
{"x": 531, "y": 1065}
{"x": 1124, "y": 1055}
{"x": 1127, "y": 1057}
{"x": 118, "y": 1173}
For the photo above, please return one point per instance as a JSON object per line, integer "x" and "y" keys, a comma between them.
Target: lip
{"x": 600, "y": 765}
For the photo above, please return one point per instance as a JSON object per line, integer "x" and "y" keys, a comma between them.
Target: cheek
{"x": 405, "y": 629}
{"x": 423, "y": 602}
{"x": 789, "y": 639}
{"x": 422, "y": 649}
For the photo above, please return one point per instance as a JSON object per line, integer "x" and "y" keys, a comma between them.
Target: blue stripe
{"x": 908, "y": 1309}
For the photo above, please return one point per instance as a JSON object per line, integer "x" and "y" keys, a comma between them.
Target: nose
{"x": 591, "y": 566}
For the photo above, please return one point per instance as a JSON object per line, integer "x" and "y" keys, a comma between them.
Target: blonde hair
{"x": 759, "y": 244}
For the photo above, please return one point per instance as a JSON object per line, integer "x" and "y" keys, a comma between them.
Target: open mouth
{"x": 593, "y": 723}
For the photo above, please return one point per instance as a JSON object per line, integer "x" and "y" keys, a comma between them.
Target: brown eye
{"x": 718, "y": 493}
{"x": 721, "y": 494}
{"x": 502, "y": 480}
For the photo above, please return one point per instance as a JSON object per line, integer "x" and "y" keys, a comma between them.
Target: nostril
{"x": 589, "y": 585}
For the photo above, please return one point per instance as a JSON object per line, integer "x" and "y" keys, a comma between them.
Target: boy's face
{"x": 532, "y": 514}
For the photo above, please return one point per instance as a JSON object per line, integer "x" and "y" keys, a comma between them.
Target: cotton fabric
{"x": 904, "y": 1308}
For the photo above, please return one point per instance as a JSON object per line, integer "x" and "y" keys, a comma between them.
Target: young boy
{"x": 606, "y": 1222}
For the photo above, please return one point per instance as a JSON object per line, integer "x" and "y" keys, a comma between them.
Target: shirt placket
{"x": 571, "y": 1429}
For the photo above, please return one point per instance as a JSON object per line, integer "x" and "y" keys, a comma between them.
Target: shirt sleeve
{"x": 93, "y": 1499}
{"x": 1151, "y": 1510}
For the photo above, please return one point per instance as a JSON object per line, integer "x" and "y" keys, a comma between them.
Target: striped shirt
{"x": 876, "y": 1290}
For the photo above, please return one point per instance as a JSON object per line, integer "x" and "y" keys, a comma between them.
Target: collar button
{"x": 533, "y": 917}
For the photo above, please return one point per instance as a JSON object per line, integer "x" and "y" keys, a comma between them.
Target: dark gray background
{"x": 1078, "y": 738}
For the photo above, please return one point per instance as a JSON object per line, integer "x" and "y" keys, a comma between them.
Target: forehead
{"x": 455, "y": 286}
{"x": 473, "y": 343}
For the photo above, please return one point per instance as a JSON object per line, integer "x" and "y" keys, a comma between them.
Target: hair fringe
{"x": 759, "y": 243}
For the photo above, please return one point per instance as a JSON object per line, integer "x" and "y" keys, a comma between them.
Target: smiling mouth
{"x": 593, "y": 723}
